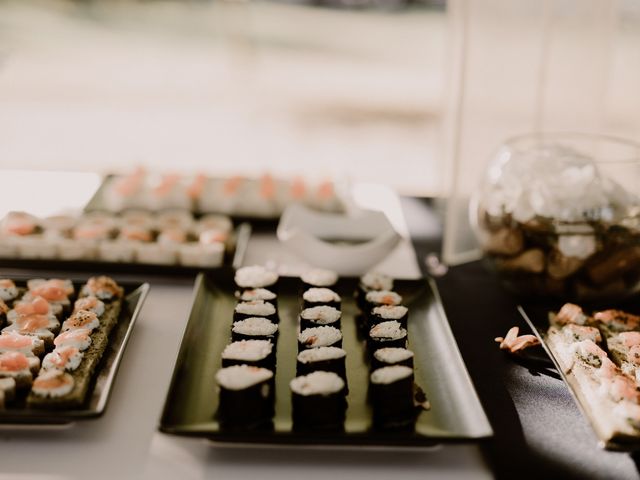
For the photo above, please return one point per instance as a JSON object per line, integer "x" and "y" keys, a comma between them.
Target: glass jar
{"x": 559, "y": 215}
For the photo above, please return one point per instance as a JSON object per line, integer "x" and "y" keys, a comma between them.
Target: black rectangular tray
{"x": 192, "y": 400}
{"x": 100, "y": 390}
{"x": 535, "y": 314}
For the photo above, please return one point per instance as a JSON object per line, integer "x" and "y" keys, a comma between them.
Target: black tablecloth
{"x": 538, "y": 430}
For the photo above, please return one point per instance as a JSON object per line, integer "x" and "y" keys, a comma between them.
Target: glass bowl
{"x": 559, "y": 215}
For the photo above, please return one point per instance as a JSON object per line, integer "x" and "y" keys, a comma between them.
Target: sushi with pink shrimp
{"x": 55, "y": 291}
{"x": 19, "y": 367}
{"x": 49, "y": 385}
{"x": 214, "y": 222}
{"x": 41, "y": 326}
{"x": 16, "y": 342}
{"x": 222, "y": 195}
{"x": 79, "y": 338}
{"x": 208, "y": 251}
{"x": 66, "y": 357}
{"x": 19, "y": 224}
{"x": 126, "y": 191}
{"x": 125, "y": 246}
{"x": 33, "y": 305}
{"x": 174, "y": 218}
{"x": 164, "y": 251}
{"x": 168, "y": 191}
{"x": 90, "y": 303}
{"x": 82, "y": 319}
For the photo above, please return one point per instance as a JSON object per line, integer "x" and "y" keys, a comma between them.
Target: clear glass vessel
{"x": 559, "y": 215}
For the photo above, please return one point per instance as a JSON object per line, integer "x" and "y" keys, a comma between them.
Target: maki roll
{"x": 104, "y": 288}
{"x": 391, "y": 394}
{"x": 40, "y": 326}
{"x": 254, "y": 328}
{"x": 19, "y": 367}
{"x": 214, "y": 223}
{"x": 385, "y": 357}
{"x": 256, "y": 276}
{"x": 201, "y": 254}
{"x": 381, "y": 297}
{"x": 315, "y": 297}
{"x": 327, "y": 359}
{"x": 246, "y": 397}
{"x": 7, "y": 391}
{"x": 387, "y": 334}
{"x": 55, "y": 291}
{"x": 174, "y": 218}
{"x": 8, "y": 291}
{"x": 319, "y": 337}
{"x": 4, "y": 309}
{"x": 257, "y": 294}
{"x": 16, "y": 342}
{"x": 319, "y": 277}
{"x": 255, "y": 308}
{"x": 30, "y": 305}
{"x": 385, "y": 313}
{"x": 371, "y": 282}
{"x": 65, "y": 357}
{"x": 318, "y": 401}
{"x": 256, "y": 353}
{"x": 50, "y": 385}
{"x": 320, "y": 316}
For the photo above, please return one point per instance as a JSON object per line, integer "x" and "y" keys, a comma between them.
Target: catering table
{"x": 538, "y": 429}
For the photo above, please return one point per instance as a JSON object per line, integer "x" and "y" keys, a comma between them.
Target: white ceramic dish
{"x": 351, "y": 244}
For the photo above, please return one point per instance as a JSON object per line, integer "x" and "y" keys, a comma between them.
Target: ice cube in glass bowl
{"x": 559, "y": 215}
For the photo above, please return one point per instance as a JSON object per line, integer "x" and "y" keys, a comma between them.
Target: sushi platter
{"x": 61, "y": 344}
{"x": 425, "y": 398}
{"x": 255, "y": 199}
{"x": 171, "y": 242}
{"x": 595, "y": 352}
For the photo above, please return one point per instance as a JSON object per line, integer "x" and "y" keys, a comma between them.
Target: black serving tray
{"x": 192, "y": 400}
{"x": 536, "y": 315}
{"x": 100, "y": 390}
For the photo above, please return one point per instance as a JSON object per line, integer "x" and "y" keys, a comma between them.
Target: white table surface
{"x": 124, "y": 443}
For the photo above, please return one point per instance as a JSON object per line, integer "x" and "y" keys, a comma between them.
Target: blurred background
{"x": 415, "y": 94}
{"x": 337, "y": 88}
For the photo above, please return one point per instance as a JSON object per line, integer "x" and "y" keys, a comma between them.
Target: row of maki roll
{"x": 319, "y": 390}
{"x": 66, "y": 372}
{"x": 36, "y": 325}
{"x": 22, "y": 342}
{"x": 385, "y": 321}
{"x": 246, "y": 381}
{"x": 169, "y": 237}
